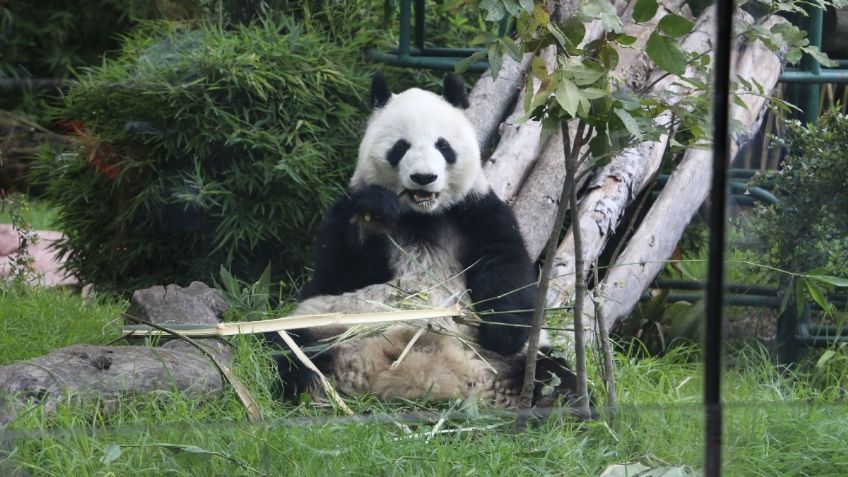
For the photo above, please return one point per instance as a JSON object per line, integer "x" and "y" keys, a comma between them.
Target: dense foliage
{"x": 808, "y": 229}
{"x": 47, "y": 38}
{"x": 203, "y": 147}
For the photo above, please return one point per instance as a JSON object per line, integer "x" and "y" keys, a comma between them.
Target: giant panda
{"x": 419, "y": 226}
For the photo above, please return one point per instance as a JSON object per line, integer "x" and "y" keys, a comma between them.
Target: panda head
{"x": 421, "y": 146}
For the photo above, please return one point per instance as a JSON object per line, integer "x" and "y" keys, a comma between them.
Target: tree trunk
{"x": 519, "y": 145}
{"x": 492, "y": 99}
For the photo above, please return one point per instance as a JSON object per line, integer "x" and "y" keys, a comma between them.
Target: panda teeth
{"x": 424, "y": 198}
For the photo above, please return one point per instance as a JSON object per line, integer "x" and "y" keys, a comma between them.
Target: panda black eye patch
{"x": 397, "y": 151}
{"x": 447, "y": 151}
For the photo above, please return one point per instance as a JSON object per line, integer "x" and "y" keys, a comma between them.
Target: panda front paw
{"x": 375, "y": 209}
{"x": 502, "y": 338}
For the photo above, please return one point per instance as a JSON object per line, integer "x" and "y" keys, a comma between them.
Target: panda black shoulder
{"x": 488, "y": 216}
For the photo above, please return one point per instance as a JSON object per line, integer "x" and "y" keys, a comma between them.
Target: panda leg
{"x": 556, "y": 382}
{"x": 436, "y": 367}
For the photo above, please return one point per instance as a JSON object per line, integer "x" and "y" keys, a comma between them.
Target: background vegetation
{"x": 216, "y": 135}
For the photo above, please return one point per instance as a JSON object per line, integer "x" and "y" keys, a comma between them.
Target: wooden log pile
{"x": 615, "y": 186}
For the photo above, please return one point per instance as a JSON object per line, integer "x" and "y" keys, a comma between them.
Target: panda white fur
{"x": 420, "y": 227}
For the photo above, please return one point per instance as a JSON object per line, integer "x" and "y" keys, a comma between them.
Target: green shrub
{"x": 808, "y": 229}
{"x": 205, "y": 147}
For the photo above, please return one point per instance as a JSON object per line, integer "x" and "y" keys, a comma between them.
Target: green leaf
{"x": 629, "y": 123}
{"x": 825, "y": 357}
{"x": 494, "y": 10}
{"x": 644, "y": 10}
{"x": 559, "y": 36}
{"x": 511, "y": 7}
{"x": 574, "y": 29}
{"x": 794, "y": 55}
{"x": 583, "y": 75}
{"x": 567, "y": 96}
{"x": 528, "y": 93}
{"x": 462, "y": 65}
{"x": 675, "y": 25}
{"x": 550, "y": 125}
{"x": 625, "y": 40}
{"x": 541, "y": 15}
{"x": 605, "y": 12}
{"x": 819, "y": 56}
{"x": 800, "y": 299}
{"x": 538, "y": 68}
{"x": 527, "y": 5}
{"x": 738, "y": 102}
{"x": 830, "y": 280}
{"x": 495, "y": 60}
{"x": 112, "y": 453}
{"x": 594, "y": 93}
{"x": 509, "y": 45}
{"x": 817, "y": 294}
{"x": 666, "y": 54}
{"x": 608, "y": 56}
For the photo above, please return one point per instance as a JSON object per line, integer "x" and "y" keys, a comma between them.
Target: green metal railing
{"x": 792, "y": 330}
{"x": 806, "y": 81}
{"x": 419, "y": 55}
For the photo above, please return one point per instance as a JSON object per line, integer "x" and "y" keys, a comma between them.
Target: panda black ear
{"x": 380, "y": 92}
{"x": 454, "y": 91}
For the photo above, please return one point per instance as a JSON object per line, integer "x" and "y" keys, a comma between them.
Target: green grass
{"x": 34, "y": 322}
{"x": 775, "y": 424}
{"x": 39, "y": 213}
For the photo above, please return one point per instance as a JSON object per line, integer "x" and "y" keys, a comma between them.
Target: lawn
{"x": 795, "y": 423}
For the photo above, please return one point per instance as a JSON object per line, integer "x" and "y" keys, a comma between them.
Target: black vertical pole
{"x": 715, "y": 276}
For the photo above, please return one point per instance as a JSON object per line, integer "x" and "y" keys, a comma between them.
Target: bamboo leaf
{"x": 830, "y": 280}
{"x": 825, "y": 357}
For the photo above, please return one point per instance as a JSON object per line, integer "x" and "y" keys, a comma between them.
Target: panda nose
{"x": 423, "y": 179}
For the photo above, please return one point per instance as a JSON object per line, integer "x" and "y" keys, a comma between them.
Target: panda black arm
{"x": 351, "y": 250}
{"x": 499, "y": 272}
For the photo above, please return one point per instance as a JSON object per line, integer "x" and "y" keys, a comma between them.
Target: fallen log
{"x": 519, "y": 145}
{"x": 105, "y": 373}
{"x": 492, "y": 99}
{"x": 687, "y": 188}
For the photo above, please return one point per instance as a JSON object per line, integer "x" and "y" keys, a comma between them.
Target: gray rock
{"x": 195, "y": 304}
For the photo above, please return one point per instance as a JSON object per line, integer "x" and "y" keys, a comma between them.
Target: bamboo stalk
{"x": 325, "y": 383}
{"x": 295, "y": 322}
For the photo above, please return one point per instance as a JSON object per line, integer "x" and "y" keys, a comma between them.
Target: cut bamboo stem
{"x": 295, "y": 323}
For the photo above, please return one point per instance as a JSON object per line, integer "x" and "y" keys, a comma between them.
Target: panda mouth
{"x": 423, "y": 198}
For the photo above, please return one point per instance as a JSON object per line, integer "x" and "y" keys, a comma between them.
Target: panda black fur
{"x": 420, "y": 225}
